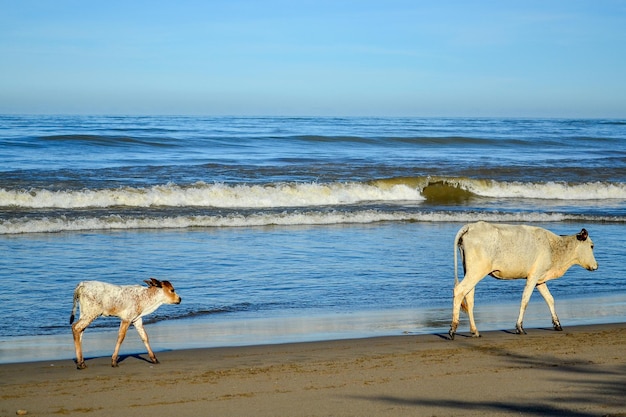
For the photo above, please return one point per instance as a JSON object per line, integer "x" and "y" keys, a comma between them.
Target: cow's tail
{"x": 458, "y": 242}
{"x": 77, "y": 292}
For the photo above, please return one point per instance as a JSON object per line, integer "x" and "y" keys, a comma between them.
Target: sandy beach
{"x": 578, "y": 372}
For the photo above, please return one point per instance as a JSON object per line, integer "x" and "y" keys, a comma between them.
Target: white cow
{"x": 128, "y": 302}
{"x": 513, "y": 252}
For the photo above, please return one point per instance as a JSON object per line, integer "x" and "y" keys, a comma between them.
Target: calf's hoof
{"x": 451, "y": 334}
{"x": 81, "y": 365}
{"x": 519, "y": 330}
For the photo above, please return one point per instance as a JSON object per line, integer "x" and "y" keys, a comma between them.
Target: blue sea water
{"x": 309, "y": 227}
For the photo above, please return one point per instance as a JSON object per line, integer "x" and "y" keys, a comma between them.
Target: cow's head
{"x": 167, "y": 290}
{"x": 584, "y": 251}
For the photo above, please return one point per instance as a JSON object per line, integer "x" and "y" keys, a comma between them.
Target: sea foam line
{"x": 118, "y": 222}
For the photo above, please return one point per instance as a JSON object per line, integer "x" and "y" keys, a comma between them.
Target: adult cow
{"x": 512, "y": 252}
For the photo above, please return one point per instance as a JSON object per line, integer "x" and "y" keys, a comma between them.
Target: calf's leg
{"x": 144, "y": 337}
{"x": 120, "y": 338}
{"x": 77, "y": 331}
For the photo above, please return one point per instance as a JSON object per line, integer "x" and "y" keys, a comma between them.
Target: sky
{"x": 560, "y": 58}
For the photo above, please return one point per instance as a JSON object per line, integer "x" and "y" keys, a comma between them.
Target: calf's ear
{"x": 583, "y": 235}
{"x": 153, "y": 283}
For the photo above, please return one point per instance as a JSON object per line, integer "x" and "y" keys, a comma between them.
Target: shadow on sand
{"x": 588, "y": 387}
{"x": 121, "y": 358}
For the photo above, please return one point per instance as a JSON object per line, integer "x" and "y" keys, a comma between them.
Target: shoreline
{"x": 227, "y": 331}
{"x": 580, "y": 371}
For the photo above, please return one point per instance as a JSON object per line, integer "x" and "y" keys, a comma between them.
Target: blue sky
{"x": 562, "y": 58}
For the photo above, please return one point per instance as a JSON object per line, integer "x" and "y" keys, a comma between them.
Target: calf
{"x": 512, "y": 252}
{"x": 128, "y": 302}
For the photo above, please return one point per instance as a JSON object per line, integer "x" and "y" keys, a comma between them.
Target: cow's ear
{"x": 583, "y": 235}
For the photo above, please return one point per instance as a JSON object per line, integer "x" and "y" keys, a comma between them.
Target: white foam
{"x": 117, "y": 222}
{"x": 548, "y": 190}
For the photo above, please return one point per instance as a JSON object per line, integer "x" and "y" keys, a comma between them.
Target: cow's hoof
{"x": 81, "y": 365}
{"x": 557, "y": 327}
{"x": 476, "y": 335}
{"x": 115, "y": 365}
{"x": 451, "y": 334}
{"x": 520, "y": 330}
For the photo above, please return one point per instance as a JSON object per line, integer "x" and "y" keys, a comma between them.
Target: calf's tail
{"x": 459, "y": 248}
{"x": 76, "y": 295}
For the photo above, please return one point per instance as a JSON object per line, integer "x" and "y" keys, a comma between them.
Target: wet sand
{"x": 578, "y": 372}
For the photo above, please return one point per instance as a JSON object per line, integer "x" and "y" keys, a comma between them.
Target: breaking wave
{"x": 446, "y": 189}
{"x": 277, "y": 195}
{"x": 212, "y": 195}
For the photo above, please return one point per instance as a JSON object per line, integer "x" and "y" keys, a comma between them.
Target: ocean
{"x": 281, "y": 229}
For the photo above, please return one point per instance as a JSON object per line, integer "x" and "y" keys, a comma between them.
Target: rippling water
{"x": 255, "y": 218}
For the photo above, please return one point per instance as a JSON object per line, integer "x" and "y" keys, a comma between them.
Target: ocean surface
{"x": 277, "y": 229}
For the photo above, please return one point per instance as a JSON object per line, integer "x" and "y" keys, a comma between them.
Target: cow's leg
{"x": 457, "y": 299}
{"x": 545, "y": 292}
{"x": 469, "y": 299}
{"x": 460, "y": 292}
{"x": 528, "y": 291}
{"x": 77, "y": 331}
{"x": 144, "y": 336}
{"x": 120, "y": 338}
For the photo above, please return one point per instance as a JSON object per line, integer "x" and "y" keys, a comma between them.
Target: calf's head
{"x": 167, "y": 290}
{"x": 584, "y": 251}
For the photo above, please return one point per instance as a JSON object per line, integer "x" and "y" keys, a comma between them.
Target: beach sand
{"x": 578, "y": 372}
